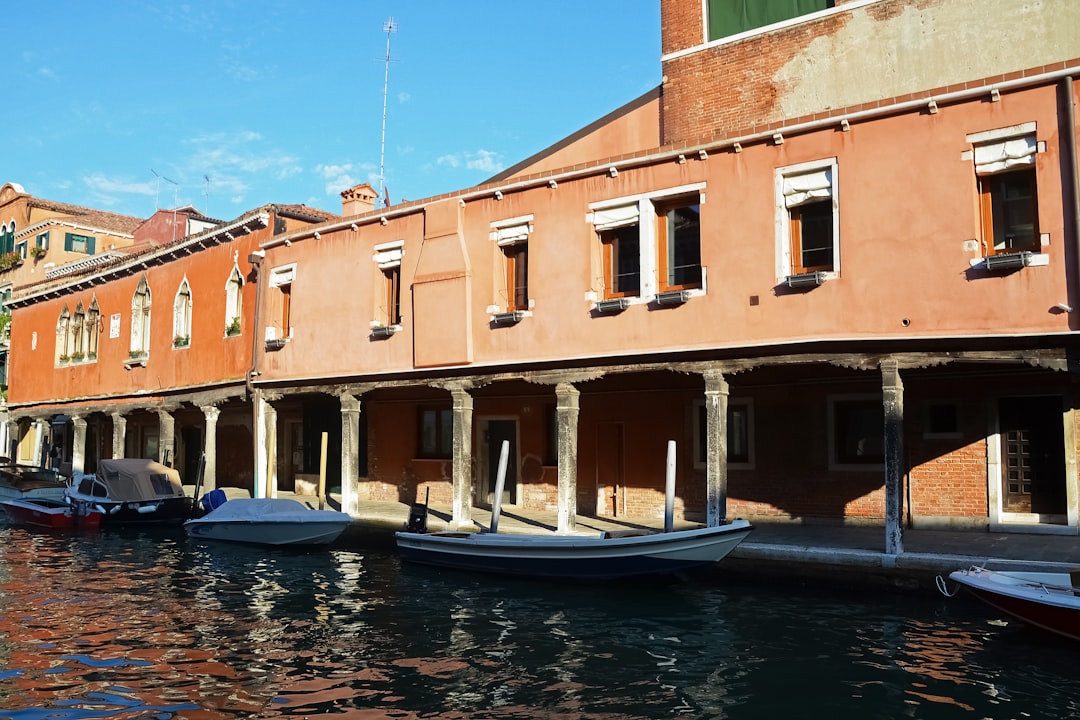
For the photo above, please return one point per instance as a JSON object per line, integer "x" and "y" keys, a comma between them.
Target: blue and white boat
{"x": 269, "y": 521}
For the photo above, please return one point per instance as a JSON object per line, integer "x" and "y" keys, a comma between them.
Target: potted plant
{"x": 38, "y": 252}
{"x": 64, "y": 358}
{"x": 91, "y": 356}
{"x": 10, "y": 260}
{"x": 181, "y": 341}
{"x": 233, "y": 328}
{"x": 77, "y": 357}
{"x": 135, "y": 354}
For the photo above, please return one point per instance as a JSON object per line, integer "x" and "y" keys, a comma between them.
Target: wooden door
{"x": 1033, "y": 455}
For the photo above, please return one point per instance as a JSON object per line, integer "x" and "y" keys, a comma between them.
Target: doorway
{"x": 609, "y": 470}
{"x": 1032, "y": 459}
{"x": 496, "y": 432}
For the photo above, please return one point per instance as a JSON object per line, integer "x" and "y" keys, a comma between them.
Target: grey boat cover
{"x": 135, "y": 479}
{"x": 271, "y": 510}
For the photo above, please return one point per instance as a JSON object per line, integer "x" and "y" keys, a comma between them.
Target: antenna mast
{"x": 388, "y": 28}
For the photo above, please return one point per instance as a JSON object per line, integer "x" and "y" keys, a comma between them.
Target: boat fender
{"x": 115, "y": 509}
{"x": 146, "y": 509}
{"x": 98, "y": 508}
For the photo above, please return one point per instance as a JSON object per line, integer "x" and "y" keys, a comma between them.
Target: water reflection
{"x": 144, "y": 624}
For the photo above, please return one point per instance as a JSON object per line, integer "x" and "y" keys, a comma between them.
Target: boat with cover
{"x": 269, "y": 521}
{"x": 50, "y": 514}
{"x": 133, "y": 491}
{"x": 1046, "y": 600}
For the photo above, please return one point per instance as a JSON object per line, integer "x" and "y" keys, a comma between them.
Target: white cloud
{"x": 485, "y": 161}
{"x": 102, "y": 184}
{"x": 338, "y": 177}
{"x": 448, "y": 160}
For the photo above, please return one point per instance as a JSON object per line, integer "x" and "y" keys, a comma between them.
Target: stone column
{"x": 119, "y": 435}
{"x": 462, "y": 462}
{"x": 350, "y": 453}
{"x": 270, "y": 436}
{"x": 78, "y": 444}
{"x": 14, "y": 437}
{"x": 892, "y": 397}
{"x": 716, "y": 449}
{"x": 209, "y": 479}
{"x": 166, "y": 437}
{"x": 41, "y": 449}
{"x": 566, "y": 410}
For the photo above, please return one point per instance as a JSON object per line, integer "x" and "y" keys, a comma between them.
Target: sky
{"x": 130, "y": 106}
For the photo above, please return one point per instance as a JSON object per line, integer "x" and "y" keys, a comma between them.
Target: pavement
{"x": 851, "y": 554}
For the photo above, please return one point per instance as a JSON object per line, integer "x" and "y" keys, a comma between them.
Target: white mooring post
{"x": 500, "y": 481}
{"x": 669, "y": 490}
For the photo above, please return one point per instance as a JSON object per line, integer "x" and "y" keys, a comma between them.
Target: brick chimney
{"x": 358, "y": 200}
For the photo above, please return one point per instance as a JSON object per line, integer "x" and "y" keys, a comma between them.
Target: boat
{"x": 268, "y": 521}
{"x": 30, "y": 481}
{"x": 575, "y": 557}
{"x": 49, "y": 513}
{"x": 133, "y": 491}
{"x": 1046, "y": 600}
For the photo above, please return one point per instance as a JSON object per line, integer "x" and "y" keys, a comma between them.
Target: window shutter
{"x": 1005, "y": 155}
{"x": 511, "y": 234}
{"x": 615, "y": 217}
{"x": 68, "y": 242}
{"x": 90, "y": 245}
{"x": 807, "y": 187}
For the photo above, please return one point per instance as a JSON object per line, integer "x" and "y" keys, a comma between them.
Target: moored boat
{"x": 133, "y": 491}
{"x": 50, "y": 514}
{"x": 29, "y": 481}
{"x": 269, "y": 521}
{"x": 574, "y": 557}
{"x": 1050, "y": 601}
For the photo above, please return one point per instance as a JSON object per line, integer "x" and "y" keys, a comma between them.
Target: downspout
{"x": 1074, "y": 174}
{"x": 255, "y": 259}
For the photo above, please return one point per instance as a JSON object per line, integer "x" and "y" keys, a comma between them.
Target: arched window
{"x": 234, "y": 301}
{"x": 93, "y": 330}
{"x": 140, "y": 320}
{"x": 182, "y": 316}
{"x": 78, "y": 336}
{"x": 63, "y": 336}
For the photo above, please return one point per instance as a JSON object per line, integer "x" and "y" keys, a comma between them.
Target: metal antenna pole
{"x": 388, "y": 28}
{"x": 176, "y": 191}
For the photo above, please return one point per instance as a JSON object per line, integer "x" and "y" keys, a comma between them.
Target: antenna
{"x": 207, "y": 194}
{"x": 388, "y": 27}
{"x": 176, "y": 189}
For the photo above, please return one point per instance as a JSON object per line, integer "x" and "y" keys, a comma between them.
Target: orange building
{"x": 148, "y": 354}
{"x": 827, "y": 272}
{"x": 838, "y": 274}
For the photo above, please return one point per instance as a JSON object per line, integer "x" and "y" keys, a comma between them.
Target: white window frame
{"x": 234, "y": 297}
{"x": 785, "y": 266}
{"x": 507, "y": 233}
{"x": 648, "y": 261}
{"x": 183, "y": 307}
{"x": 387, "y": 256}
{"x": 140, "y": 319}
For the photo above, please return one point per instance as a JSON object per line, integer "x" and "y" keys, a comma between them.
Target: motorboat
{"x": 49, "y": 513}
{"x": 30, "y": 481}
{"x": 133, "y": 491}
{"x": 268, "y": 521}
{"x": 1046, "y": 600}
{"x": 575, "y": 557}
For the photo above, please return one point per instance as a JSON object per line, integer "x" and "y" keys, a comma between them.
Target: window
{"x": 63, "y": 337}
{"x": 436, "y": 433}
{"x": 942, "y": 420}
{"x": 808, "y": 218}
{"x": 234, "y": 301}
{"x": 650, "y": 244}
{"x": 92, "y": 330}
{"x": 731, "y": 17}
{"x": 740, "y": 439}
{"x": 512, "y": 238}
{"x": 182, "y": 316}
{"x": 79, "y": 243}
{"x": 679, "y": 243}
{"x": 282, "y": 279}
{"x": 20, "y": 247}
{"x": 387, "y": 259}
{"x": 78, "y": 334}
{"x": 140, "y": 321}
{"x": 857, "y": 429}
{"x": 1005, "y": 169}
{"x": 43, "y": 240}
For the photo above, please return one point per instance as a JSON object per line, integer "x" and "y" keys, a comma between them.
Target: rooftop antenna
{"x": 207, "y": 194}
{"x": 176, "y": 190}
{"x": 388, "y": 27}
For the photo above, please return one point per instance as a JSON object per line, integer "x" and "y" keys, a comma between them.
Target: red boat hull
{"x": 1053, "y": 606}
{"x": 49, "y": 514}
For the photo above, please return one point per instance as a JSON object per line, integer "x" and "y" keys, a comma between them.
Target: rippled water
{"x": 125, "y": 624}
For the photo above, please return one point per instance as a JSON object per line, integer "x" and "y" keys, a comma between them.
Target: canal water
{"x": 141, "y": 624}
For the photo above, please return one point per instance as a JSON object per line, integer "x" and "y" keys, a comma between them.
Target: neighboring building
{"x": 843, "y": 283}
{"x": 148, "y": 355}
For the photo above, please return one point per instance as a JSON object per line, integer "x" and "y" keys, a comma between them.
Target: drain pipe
{"x": 255, "y": 259}
{"x": 1074, "y": 174}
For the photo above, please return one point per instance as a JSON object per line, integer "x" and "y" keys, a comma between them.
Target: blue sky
{"x": 128, "y": 105}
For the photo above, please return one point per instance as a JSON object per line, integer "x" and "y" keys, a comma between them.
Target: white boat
{"x": 269, "y": 521}
{"x": 29, "y": 482}
{"x": 573, "y": 557}
{"x": 133, "y": 490}
{"x": 1046, "y": 600}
